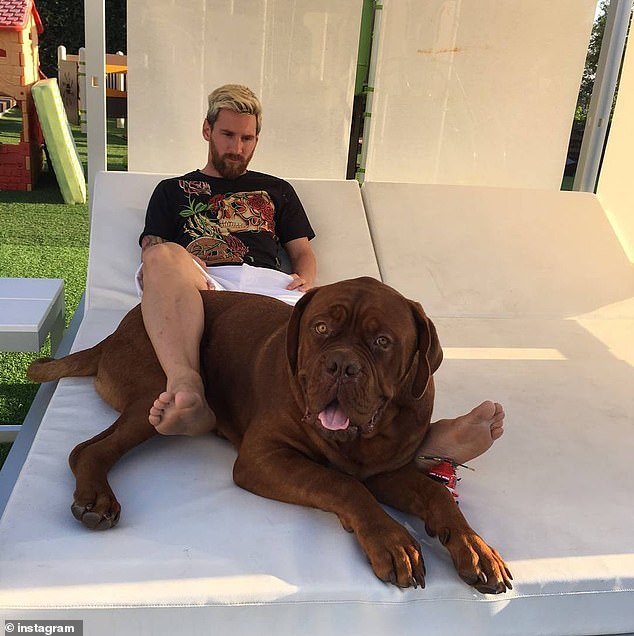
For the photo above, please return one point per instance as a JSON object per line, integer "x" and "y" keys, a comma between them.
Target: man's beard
{"x": 229, "y": 169}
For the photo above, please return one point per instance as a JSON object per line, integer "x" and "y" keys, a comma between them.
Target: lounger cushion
{"x": 193, "y": 552}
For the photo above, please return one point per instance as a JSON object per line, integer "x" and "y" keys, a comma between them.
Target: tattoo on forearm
{"x": 149, "y": 240}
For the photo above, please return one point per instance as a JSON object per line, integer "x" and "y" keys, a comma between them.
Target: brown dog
{"x": 327, "y": 405}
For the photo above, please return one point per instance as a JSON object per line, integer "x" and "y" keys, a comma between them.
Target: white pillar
{"x": 95, "y": 32}
{"x": 608, "y": 67}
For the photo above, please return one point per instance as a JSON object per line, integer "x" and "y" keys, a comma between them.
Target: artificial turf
{"x": 41, "y": 237}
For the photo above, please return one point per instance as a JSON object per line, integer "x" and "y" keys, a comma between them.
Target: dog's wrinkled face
{"x": 353, "y": 347}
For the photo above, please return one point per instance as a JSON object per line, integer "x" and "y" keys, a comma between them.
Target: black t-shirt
{"x": 228, "y": 221}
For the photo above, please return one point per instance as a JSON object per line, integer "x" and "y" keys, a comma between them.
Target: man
{"x": 220, "y": 228}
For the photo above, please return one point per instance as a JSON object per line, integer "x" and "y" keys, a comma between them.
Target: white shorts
{"x": 243, "y": 278}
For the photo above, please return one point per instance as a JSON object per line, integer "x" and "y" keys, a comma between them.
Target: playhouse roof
{"x": 14, "y": 15}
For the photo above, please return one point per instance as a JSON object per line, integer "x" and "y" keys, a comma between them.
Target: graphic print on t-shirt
{"x": 212, "y": 221}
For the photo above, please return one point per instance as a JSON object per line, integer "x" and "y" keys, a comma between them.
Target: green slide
{"x": 59, "y": 141}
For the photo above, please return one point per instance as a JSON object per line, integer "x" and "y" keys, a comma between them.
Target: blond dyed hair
{"x": 237, "y": 98}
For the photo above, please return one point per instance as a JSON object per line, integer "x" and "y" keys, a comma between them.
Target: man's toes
{"x": 484, "y": 411}
{"x": 156, "y": 411}
{"x": 164, "y": 400}
{"x": 496, "y": 432}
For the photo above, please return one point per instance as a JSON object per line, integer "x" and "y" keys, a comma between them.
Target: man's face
{"x": 232, "y": 142}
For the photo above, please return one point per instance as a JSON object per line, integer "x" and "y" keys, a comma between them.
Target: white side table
{"x": 30, "y": 309}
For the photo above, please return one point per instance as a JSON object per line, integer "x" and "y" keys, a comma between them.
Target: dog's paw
{"x": 395, "y": 556}
{"x": 479, "y": 565}
{"x": 97, "y": 513}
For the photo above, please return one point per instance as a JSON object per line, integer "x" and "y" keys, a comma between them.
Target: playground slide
{"x": 59, "y": 141}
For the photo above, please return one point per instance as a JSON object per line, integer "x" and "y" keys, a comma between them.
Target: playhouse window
{"x": 3, "y": 53}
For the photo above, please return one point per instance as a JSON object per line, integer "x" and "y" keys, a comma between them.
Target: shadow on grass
{"x": 46, "y": 191}
{"x": 4, "y": 451}
{"x": 15, "y": 401}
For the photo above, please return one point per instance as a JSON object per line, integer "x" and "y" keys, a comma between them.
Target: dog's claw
{"x": 94, "y": 520}
{"x": 500, "y": 588}
{"x": 77, "y": 510}
{"x": 485, "y": 586}
{"x": 418, "y": 581}
{"x": 470, "y": 579}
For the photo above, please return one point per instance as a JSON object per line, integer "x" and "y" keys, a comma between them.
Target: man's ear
{"x": 206, "y": 130}
{"x": 429, "y": 355}
{"x": 292, "y": 330}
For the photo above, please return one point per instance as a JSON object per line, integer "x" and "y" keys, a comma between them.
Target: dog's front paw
{"x": 478, "y": 564}
{"x": 98, "y": 512}
{"x": 395, "y": 556}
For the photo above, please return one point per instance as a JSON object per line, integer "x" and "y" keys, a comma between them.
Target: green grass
{"x": 40, "y": 236}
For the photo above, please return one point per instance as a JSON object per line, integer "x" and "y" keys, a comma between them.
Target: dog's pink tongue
{"x": 333, "y": 418}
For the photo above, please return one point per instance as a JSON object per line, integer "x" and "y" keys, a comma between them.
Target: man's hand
{"x": 298, "y": 284}
{"x": 303, "y": 263}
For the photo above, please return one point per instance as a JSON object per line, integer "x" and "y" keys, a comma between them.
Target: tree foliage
{"x": 592, "y": 60}
{"x": 64, "y": 24}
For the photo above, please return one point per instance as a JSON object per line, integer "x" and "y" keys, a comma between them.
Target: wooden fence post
{"x": 81, "y": 75}
{"x": 121, "y": 85}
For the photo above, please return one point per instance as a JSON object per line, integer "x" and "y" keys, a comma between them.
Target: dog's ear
{"x": 429, "y": 355}
{"x": 292, "y": 330}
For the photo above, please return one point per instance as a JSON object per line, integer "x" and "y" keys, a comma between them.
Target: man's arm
{"x": 303, "y": 262}
{"x": 148, "y": 241}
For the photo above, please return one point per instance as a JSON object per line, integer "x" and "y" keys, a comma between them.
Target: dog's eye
{"x": 382, "y": 341}
{"x": 321, "y": 328}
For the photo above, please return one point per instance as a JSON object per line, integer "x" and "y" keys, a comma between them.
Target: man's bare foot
{"x": 183, "y": 412}
{"x": 463, "y": 438}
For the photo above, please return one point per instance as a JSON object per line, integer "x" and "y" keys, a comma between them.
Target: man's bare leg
{"x": 463, "y": 438}
{"x": 173, "y": 315}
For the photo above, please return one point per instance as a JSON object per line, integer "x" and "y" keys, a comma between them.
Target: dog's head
{"x": 354, "y": 347}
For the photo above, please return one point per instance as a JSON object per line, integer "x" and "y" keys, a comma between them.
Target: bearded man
{"x": 222, "y": 227}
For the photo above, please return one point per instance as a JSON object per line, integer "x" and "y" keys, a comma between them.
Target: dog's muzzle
{"x": 341, "y": 396}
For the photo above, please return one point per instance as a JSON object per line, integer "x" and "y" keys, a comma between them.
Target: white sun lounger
{"x": 533, "y": 299}
{"x": 194, "y": 554}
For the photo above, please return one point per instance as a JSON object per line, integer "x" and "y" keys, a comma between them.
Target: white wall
{"x": 299, "y": 56}
{"x": 478, "y": 92}
{"x": 617, "y": 171}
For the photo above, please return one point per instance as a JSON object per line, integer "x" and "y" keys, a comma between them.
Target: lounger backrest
{"x": 480, "y": 251}
{"x": 343, "y": 245}
{"x": 117, "y": 217}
